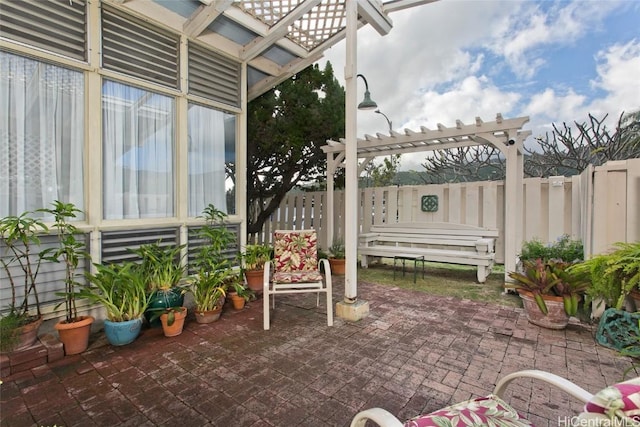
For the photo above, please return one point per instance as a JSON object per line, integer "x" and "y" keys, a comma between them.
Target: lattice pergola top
{"x": 276, "y": 39}
{"x": 500, "y": 131}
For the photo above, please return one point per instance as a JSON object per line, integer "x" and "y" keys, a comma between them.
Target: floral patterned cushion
{"x": 483, "y": 411}
{"x": 299, "y": 277}
{"x": 618, "y": 405}
{"x": 295, "y": 251}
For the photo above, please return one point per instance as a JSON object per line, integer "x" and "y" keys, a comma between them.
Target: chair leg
{"x": 265, "y": 309}
{"x": 329, "y": 302}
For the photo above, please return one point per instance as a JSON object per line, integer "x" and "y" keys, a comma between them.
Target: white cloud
{"x": 461, "y": 59}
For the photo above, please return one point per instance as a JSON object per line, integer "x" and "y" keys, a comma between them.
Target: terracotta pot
{"x": 208, "y": 316}
{"x": 337, "y": 266}
{"x": 178, "y": 324}
{"x": 27, "y": 335}
{"x": 75, "y": 335}
{"x": 556, "y": 318}
{"x": 254, "y": 280}
{"x": 238, "y": 301}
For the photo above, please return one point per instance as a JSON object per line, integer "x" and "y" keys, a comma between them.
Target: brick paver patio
{"x": 414, "y": 353}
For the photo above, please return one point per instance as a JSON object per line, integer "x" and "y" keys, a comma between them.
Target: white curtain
{"x": 206, "y": 159}
{"x": 41, "y": 135}
{"x": 138, "y": 153}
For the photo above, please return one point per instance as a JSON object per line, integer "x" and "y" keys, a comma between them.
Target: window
{"x": 211, "y": 159}
{"x": 41, "y": 135}
{"x": 138, "y": 153}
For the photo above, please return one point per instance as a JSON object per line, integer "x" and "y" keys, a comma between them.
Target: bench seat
{"x": 437, "y": 242}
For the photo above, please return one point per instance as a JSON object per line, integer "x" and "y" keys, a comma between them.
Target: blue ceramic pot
{"x": 122, "y": 333}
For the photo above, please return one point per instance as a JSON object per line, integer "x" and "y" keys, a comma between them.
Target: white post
{"x": 351, "y": 308}
{"x": 329, "y": 202}
{"x": 351, "y": 155}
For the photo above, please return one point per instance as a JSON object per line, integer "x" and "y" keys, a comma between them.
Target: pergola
{"x": 504, "y": 134}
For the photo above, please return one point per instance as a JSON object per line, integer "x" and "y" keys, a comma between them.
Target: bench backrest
{"x": 436, "y": 230}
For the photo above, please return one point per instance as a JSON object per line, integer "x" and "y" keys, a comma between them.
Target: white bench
{"x": 436, "y": 241}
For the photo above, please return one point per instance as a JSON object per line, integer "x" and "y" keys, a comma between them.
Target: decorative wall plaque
{"x": 429, "y": 203}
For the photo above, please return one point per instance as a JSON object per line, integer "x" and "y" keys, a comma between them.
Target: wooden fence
{"x": 600, "y": 206}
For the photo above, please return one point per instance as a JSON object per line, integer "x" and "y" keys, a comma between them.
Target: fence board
{"x": 551, "y": 207}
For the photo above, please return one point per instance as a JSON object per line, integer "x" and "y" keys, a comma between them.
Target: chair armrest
{"x": 380, "y": 416}
{"x": 563, "y": 384}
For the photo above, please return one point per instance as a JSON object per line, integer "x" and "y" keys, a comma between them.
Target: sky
{"x": 553, "y": 61}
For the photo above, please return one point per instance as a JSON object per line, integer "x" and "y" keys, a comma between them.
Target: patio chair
{"x": 618, "y": 405}
{"x": 296, "y": 270}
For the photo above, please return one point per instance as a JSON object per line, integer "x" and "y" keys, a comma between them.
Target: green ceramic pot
{"x": 174, "y": 297}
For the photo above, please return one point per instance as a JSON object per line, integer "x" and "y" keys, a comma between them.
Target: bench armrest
{"x": 366, "y": 238}
{"x": 485, "y": 246}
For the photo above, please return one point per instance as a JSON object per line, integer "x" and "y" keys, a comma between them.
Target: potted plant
{"x": 163, "y": 269}
{"x": 240, "y": 295}
{"x": 212, "y": 267}
{"x": 614, "y": 276}
{"x": 337, "y": 258}
{"x": 121, "y": 290}
{"x": 172, "y": 319}
{"x": 564, "y": 248}
{"x": 208, "y": 290}
{"x": 74, "y": 329}
{"x": 254, "y": 257}
{"x": 19, "y": 234}
{"x": 549, "y": 292}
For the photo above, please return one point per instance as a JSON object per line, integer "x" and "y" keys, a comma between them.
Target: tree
{"x": 564, "y": 153}
{"x": 286, "y": 128}
{"x": 383, "y": 174}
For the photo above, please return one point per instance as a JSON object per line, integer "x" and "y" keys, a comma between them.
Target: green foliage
{"x": 564, "y": 249}
{"x": 161, "y": 265}
{"x": 337, "y": 250}
{"x": 169, "y": 311}
{"x": 552, "y": 278}
{"x": 242, "y": 291}
{"x": 613, "y": 275}
{"x": 19, "y": 234}
{"x": 382, "y": 174}
{"x": 120, "y": 288}
{"x": 213, "y": 270}
{"x": 254, "y": 257}
{"x": 286, "y": 128}
{"x": 9, "y": 325}
{"x": 71, "y": 251}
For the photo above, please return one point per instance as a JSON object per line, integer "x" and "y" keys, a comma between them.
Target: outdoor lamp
{"x": 367, "y": 103}
{"x": 388, "y": 121}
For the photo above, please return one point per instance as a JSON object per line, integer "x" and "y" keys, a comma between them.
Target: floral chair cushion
{"x": 295, "y": 251}
{"x": 483, "y": 411}
{"x": 617, "y": 405}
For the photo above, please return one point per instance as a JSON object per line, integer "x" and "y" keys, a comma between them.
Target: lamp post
{"x": 388, "y": 121}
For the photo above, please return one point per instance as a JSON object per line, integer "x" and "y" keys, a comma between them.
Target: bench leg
{"x": 363, "y": 261}
{"x": 482, "y": 274}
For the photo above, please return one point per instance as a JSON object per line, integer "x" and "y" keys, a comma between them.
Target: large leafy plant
{"x": 120, "y": 288}
{"x": 70, "y": 251}
{"x": 212, "y": 267}
{"x": 552, "y": 278}
{"x": 161, "y": 265}
{"x": 20, "y": 234}
{"x": 613, "y": 275}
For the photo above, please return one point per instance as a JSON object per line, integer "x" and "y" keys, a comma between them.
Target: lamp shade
{"x": 367, "y": 103}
